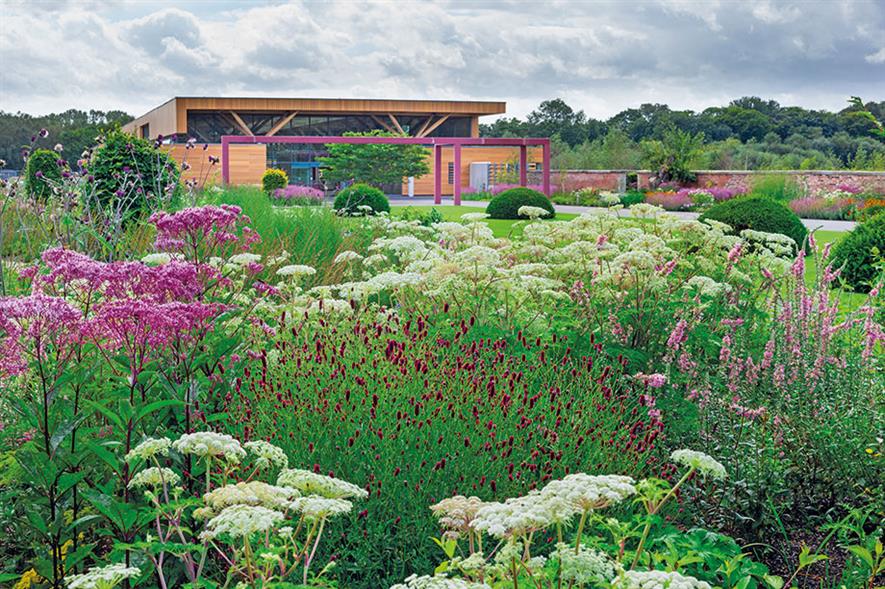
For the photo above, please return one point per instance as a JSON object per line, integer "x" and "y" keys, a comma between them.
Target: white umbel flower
{"x": 314, "y": 507}
{"x": 296, "y": 270}
{"x": 157, "y": 259}
{"x": 515, "y": 517}
{"x": 212, "y": 444}
{"x": 251, "y": 493}
{"x": 312, "y": 483}
{"x": 347, "y": 256}
{"x": 244, "y": 259}
{"x": 456, "y": 513}
{"x": 149, "y": 448}
{"x": 267, "y": 455}
{"x": 242, "y": 521}
{"x": 656, "y": 580}
{"x": 154, "y": 477}
{"x": 704, "y": 463}
{"x": 474, "y": 217}
{"x": 437, "y": 582}
{"x": 105, "y": 577}
{"x": 588, "y": 566}
{"x": 532, "y": 212}
{"x": 585, "y": 492}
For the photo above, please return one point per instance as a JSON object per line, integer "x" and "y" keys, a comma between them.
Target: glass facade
{"x": 209, "y": 126}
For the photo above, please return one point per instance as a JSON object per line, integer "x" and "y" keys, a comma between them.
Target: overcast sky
{"x": 602, "y": 57}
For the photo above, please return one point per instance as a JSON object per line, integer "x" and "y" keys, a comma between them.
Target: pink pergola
{"x": 437, "y": 143}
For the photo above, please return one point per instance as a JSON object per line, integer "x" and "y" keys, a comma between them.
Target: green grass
{"x": 500, "y": 227}
{"x": 848, "y": 301}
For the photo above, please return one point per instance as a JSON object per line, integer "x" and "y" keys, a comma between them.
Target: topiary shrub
{"x": 133, "y": 174}
{"x": 350, "y": 199}
{"x": 759, "y": 214}
{"x": 506, "y": 205}
{"x": 274, "y": 179}
{"x": 859, "y": 252}
{"x": 41, "y": 172}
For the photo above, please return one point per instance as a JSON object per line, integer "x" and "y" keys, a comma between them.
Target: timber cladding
{"x": 247, "y": 163}
{"x": 171, "y": 117}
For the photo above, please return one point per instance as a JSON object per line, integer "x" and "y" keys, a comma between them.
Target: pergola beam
{"x": 241, "y": 124}
{"x": 420, "y": 132}
{"x": 396, "y": 123}
{"x": 433, "y": 127}
{"x": 283, "y": 122}
{"x": 383, "y": 124}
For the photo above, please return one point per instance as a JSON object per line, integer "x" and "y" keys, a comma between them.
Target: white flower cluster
{"x": 437, "y": 582}
{"x": 314, "y": 507}
{"x": 149, "y": 448}
{"x": 584, "y": 492}
{"x": 251, "y": 493}
{"x": 456, "y": 513}
{"x": 587, "y": 566}
{"x": 267, "y": 455}
{"x": 210, "y": 444}
{"x": 154, "y": 477}
{"x": 311, "y": 483}
{"x": 241, "y": 521}
{"x": 244, "y": 259}
{"x": 704, "y": 463}
{"x": 296, "y": 270}
{"x": 656, "y": 580}
{"x": 532, "y": 212}
{"x": 157, "y": 259}
{"x": 347, "y": 256}
{"x": 105, "y": 577}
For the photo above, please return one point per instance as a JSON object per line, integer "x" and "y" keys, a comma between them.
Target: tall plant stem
{"x": 654, "y": 508}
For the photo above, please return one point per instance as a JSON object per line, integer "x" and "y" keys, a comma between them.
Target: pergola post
{"x": 225, "y": 161}
{"x": 546, "y": 172}
{"x": 523, "y": 164}
{"x": 456, "y": 179}
{"x": 437, "y": 174}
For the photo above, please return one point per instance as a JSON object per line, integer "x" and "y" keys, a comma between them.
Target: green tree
{"x": 375, "y": 164}
{"x": 673, "y": 157}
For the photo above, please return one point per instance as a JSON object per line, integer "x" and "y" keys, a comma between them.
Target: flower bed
{"x": 296, "y": 194}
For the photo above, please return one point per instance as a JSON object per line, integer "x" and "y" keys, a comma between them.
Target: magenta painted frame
{"x": 437, "y": 143}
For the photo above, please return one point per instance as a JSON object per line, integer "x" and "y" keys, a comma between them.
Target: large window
{"x": 208, "y": 127}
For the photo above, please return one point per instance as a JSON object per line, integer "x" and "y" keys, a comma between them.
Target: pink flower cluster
{"x": 37, "y": 325}
{"x": 670, "y": 201}
{"x": 297, "y": 192}
{"x": 820, "y": 208}
{"x": 499, "y": 188}
{"x": 203, "y": 229}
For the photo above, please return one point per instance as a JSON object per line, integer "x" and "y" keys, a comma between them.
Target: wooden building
{"x": 207, "y": 119}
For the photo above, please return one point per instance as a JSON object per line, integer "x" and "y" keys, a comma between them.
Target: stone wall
{"x": 814, "y": 181}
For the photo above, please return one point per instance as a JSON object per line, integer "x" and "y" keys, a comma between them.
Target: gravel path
{"x": 823, "y": 224}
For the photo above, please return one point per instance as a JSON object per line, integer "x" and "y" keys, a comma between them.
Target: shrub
{"x": 506, "y": 205}
{"x": 860, "y": 251}
{"x": 632, "y": 197}
{"x": 274, "y": 179}
{"x": 351, "y": 200}
{"x": 499, "y": 188}
{"x": 759, "y": 214}
{"x": 42, "y": 170}
{"x": 133, "y": 174}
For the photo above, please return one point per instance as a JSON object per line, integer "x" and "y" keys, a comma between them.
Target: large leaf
{"x": 156, "y": 406}
{"x": 108, "y": 413}
{"x": 64, "y": 430}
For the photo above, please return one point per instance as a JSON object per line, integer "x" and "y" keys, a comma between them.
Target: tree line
{"x": 75, "y": 130}
{"x": 748, "y": 133}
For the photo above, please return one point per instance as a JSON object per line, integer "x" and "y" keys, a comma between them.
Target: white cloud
{"x": 602, "y": 56}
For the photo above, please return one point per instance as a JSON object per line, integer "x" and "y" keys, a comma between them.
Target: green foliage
{"x": 779, "y": 187}
{"x": 44, "y": 162}
{"x": 132, "y": 174}
{"x": 274, "y": 179}
{"x": 673, "y": 156}
{"x": 759, "y": 214}
{"x": 632, "y": 197}
{"x": 375, "y": 164}
{"x": 349, "y": 200}
{"x": 506, "y": 205}
{"x": 310, "y": 235}
{"x": 860, "y": 254}
{"x": 426, "y": 219}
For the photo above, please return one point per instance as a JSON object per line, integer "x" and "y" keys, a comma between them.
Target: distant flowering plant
{"x": 299, "y": 195}
{"x": 496, "y": 189}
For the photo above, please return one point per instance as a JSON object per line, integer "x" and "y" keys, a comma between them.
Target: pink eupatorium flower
{"x": 207, "y": 230}
{"x": 171, "y": 281}
{"x": 655, "y": 380}
{"x": 37, "y": 325}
